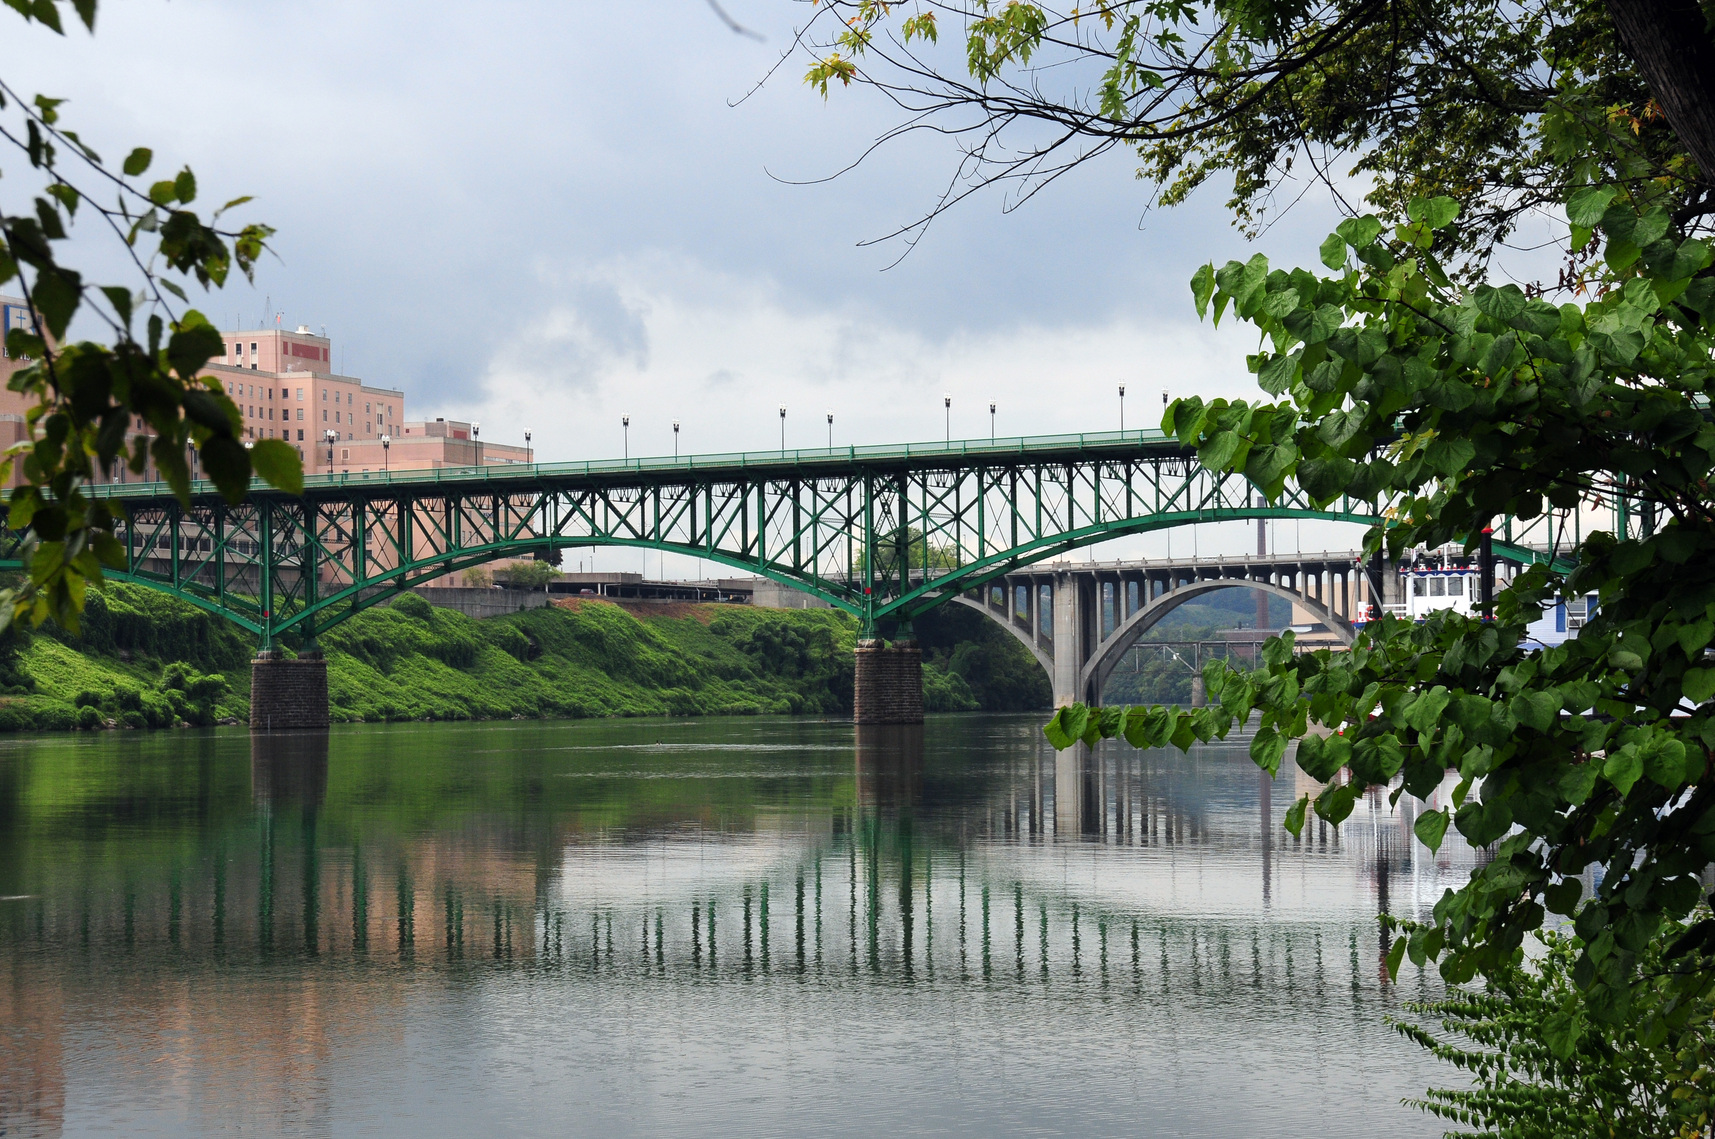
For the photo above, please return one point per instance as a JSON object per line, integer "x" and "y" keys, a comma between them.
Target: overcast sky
{"x": 545, "y": 215}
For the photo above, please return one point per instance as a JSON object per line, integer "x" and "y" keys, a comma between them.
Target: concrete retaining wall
{"x": 483, "y": 602}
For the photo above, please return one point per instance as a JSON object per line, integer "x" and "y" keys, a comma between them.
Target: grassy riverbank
{"x": 145, "y": 660}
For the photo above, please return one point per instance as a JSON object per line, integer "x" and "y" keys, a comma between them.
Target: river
{"x": 719, "y": 927}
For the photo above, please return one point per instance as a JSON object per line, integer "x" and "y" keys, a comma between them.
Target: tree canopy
{"x": 1505, "y": 107}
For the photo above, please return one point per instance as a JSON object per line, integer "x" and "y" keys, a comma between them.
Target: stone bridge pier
{"x": 288, "y": 693}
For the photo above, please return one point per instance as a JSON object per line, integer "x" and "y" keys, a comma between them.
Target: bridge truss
{"x": 884, "y": 533}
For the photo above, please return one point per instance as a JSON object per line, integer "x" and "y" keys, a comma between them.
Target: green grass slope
{"x": 146, "y": 660}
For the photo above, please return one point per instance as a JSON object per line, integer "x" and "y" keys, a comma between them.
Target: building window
{"x": 1437, "y": 587}
{"x": 300, "y": 415}
{"x": 366, "y": 409}
{"x": 300, "y": 395}
{"x": 300, "y": 434}
{"x": 1419, "y": 587}
{"x": 324, "y": 415}
{"x": 1455, "y": 587}
{"x": 324, "y": 395}
{"x": 253, "y": 348}
{"x": 253, "y": 367}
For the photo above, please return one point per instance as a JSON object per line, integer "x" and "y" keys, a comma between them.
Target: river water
{"x": 716, "y": 927}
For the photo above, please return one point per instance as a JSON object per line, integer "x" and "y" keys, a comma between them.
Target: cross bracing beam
{"x": 884, "y": 533}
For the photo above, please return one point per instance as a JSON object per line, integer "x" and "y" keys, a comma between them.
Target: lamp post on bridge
{"x": 625, "y": 428}
{"x": 476, "y": 441}
{"x": 331, "y": 436}
{"x": 830, "y": 431}
{"x": 386, "y": 446}
{"x": 529, "y": 456}
{"x": 991, "y": 421}
{"x": 782, "y": 429}
{"x": 675, "y": 439}
{"x": 947, "y": 404}
{"x": 1122, "y": 409}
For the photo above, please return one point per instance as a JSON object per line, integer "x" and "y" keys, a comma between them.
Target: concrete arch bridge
{"x": 884, "y": 533}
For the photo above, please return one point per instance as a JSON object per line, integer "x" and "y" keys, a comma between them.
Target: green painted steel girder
{"x": 884, "y": 533}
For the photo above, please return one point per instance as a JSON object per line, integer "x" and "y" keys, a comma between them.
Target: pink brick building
{"x": 285, "y": 388}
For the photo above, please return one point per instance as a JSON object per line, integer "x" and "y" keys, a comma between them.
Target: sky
{"x": 545, "y": 216}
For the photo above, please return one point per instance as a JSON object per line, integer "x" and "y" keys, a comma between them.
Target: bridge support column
{"x": 286, "y": 694}
{"x": 888, "y": 683}
{"x": 1070, "y": 639}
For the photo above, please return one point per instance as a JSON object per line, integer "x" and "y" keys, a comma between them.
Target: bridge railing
{"x": 1025, "y": 446}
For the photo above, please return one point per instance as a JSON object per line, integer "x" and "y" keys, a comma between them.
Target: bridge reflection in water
{"x": 302, "y": 892}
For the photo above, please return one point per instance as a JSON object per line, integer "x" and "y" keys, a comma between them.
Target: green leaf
{"x": 1202, "y": 286}
{"x": 138, "y": 161}
{"x": 1503, "y": 303}
{"x": 1424, "y": 712}
{"x": 1698, "y": 685}
{"x": 1396, "y": 956}
{"x": 1268, "y": 748}
{"x": 1436, "y": 213}
{"x": 1576, "y": 785}
{"x": 1538, "y": 709}
{"x": 1359, "y": 232}
{"x": 1067, "y": 726}
{"x": 1431, "y": 828}
{"x": 1586, "y": 207}
{"x": 1334, "y": 252}
{"x": 1295, "y": 816}
{"x": 1624, "y": 767}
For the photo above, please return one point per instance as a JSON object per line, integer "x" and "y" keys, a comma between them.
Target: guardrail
{"x": 1027, "y": 446}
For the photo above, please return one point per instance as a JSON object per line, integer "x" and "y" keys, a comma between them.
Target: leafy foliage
{"x": 145, "y": 385}
{"x": 1542, "y": 1067}
{"x": 1455, "y": 407}
{"x": 1509, "y": 108}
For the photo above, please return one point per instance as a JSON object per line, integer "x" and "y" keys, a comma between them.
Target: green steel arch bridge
{"x": 883, "y": 532}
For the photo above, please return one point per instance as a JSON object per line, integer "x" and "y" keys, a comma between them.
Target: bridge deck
{"x": 802, "y": 462}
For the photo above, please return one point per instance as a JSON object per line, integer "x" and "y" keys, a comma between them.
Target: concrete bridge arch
{"x": 1099, "y": 612}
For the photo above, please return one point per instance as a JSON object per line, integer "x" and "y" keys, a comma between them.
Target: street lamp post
{"x": 675, "y": 439}
{"x": 1122, "y": 408}
{"x": 625, "y": 427}
{"x": 830, "y": 431}
{"x": 386, "y": 448}
{"x": 529, "y": 456}
{"x": 330, "y": 435}
{"x": 947, "y": 406}
{"x": 476, "y": 441}
{"x": 991, "y": 423}
{"x": 782, "y": 429}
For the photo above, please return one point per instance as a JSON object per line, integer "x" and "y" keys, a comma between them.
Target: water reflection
{"x": 203, "y": 928}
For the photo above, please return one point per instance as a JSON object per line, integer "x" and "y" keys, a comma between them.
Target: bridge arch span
{"x": 1078, "y": 657}
{"x": 1023, "y": 638}
{"x": 1093, "y": 677}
